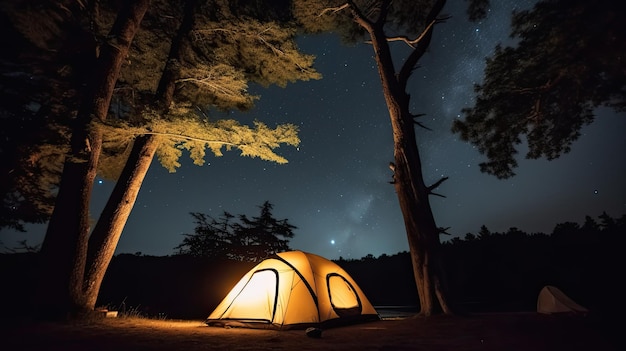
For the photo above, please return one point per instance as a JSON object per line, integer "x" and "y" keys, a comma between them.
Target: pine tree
{"x": 244, "y": 239}
{"x": 260, "y": 237}
{"x": 569, "y": 60}
{"x": 211, "y": 237}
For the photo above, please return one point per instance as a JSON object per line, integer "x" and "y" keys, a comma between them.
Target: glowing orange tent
{"x": 293, "y": 290}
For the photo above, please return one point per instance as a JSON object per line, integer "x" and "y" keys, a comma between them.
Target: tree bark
{"x": 64, "y": 248}
{"x": 413, "y": 194}
{"x": 111, "y": 222}
{"x": 108, "y": 230}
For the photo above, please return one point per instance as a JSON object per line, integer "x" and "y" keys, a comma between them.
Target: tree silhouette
{"x": 568, "y": 61}
{"x": 246, "y": 239}
{"x": 259, "y": 237}
{"x": 211, "y": 237}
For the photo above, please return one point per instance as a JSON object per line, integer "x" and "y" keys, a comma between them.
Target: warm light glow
{"x": 257, "y": 297}
{"x": 341, "y": 293}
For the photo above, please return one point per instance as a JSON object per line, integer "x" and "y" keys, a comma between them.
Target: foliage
{"x": 22, "y": 247}
{"x": 54, "y": 46}
{"x": 40, "y": 78}
{"x": 264, "y": 50}
{"x": 183, "y": 129}
{"x": 477, "y": 9}
{"x": 245, "y": 239}
{"x": 569, "y": 60}
{"x": 227, "y": 49}
{"x": 504, "y": 271}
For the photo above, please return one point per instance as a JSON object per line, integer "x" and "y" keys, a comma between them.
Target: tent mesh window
{"x": 343, "y": 297}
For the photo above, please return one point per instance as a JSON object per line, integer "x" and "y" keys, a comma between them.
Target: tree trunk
{"x": 64, "y": 248}
{"x": 111, "y": 223}
{"x": 108, "y": 230}
{"x": 413, "y": 194}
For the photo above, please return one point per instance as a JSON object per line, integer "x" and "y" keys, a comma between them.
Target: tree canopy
{"x": 568, "y": 61}
{"x": 228, "y": 48}
{"x": 40, "y": 78}
{"x": 55, "y": 46}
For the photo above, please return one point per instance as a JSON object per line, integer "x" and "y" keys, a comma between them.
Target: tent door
{"x": 257, "y": 300}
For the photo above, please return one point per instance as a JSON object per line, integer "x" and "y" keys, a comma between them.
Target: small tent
{"x": 552, "y": 300}
{"x": 293, "y": 290}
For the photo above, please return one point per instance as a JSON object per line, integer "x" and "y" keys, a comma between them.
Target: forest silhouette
{"x": 487, "y": 272}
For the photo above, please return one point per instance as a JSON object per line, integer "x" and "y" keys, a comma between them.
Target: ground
{"x": 495, "y": 331}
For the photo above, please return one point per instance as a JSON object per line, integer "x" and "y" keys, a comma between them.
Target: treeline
{"x": 510, "y": 268}
{"x": 505, "y": 271}
{"x": 486, "y": 271}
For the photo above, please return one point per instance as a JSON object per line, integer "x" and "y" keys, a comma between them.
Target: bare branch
{"x": 392, "y": 167}
{"x": 413, "y": 42}
{"x": 421, "y": 125}
{"x": 333, "y": 9}
{"x": 436, "y": 185}
{"x": 422, "y": 43}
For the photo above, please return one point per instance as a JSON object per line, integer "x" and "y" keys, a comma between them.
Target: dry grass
{"x": 509, "y": 332}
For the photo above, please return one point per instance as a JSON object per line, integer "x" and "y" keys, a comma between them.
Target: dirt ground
{"x": 504, "y": 332}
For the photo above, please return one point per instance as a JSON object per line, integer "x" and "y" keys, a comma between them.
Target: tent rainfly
{"x": 293, "y": 290}
{"x": 552, "y": 300}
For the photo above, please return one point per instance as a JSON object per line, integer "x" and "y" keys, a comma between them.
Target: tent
{"x": 552, "y": 300}
{"x": 293, "y": 290}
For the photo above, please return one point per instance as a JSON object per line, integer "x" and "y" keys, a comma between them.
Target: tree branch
{"x": 422, "y": 44}
{"x": 420, "y": 123}
{"x": 415, "y": 41}
{"x": 208, "y": 82}
{"x": 334, "y": 9}
{"x": 178, "y": 136}
{"x": 436, "y": 185}
{"x": 359, "y": 17}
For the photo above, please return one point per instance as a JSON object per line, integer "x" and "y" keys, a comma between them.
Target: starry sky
{"x": 336, "y": 189}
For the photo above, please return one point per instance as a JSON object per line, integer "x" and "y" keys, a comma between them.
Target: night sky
{"x": 336, "y": 189}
